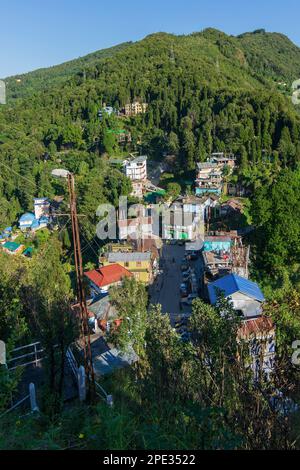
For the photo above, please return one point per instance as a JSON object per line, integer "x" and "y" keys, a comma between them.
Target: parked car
{"x": 189, "y": 299}
{"x": 184, "y": 267}
{"x": 184, "y": 290}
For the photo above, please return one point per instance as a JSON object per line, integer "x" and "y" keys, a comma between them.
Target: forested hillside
{"x": 205, "y": 92}
{"x": 25, "y": 84}
{"x": 202, "y": 93}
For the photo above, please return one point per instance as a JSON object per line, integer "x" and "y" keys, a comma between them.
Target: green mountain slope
{"x": 203, "y": 95}
{"x": 272, "y": 55}
{"x": 25, "y": 84}
{"x": 259, "y": 55}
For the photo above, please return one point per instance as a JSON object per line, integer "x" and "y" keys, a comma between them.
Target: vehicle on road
{"x": 183, "y": 289}
{"x": 189, "y": 299}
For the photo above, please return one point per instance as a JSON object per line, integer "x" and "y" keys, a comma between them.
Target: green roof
{"x": 11, "y": 246}
{"x": 151, "y": 197}
{"x": 116, "y": 131}
{"x": 28, "y": 251}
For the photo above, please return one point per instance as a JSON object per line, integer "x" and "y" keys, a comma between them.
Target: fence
{"x": 20, "y": 357}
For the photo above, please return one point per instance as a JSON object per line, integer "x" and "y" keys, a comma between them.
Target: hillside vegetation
{"x": 25, "y": 84}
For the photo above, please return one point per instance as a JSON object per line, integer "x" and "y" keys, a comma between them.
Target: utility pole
{"x": 84, "y": 326}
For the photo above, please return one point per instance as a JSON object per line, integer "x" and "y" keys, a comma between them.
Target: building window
{"x": 126, "y": 264}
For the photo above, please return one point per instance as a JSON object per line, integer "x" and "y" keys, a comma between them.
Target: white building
{"x": 136, "y": 169}
{"x": 41, "y": 207}
{"x": 139, "y": 227}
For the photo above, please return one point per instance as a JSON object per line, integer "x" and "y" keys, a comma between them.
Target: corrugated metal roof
{"x": 234, "y": 283}
{"x": 11, "y": 246}
{"x": 126, "y": 257}
{"x": 257, "y": 326}
{"x": 107, "y": 275}
{"x": 28, "y": 216}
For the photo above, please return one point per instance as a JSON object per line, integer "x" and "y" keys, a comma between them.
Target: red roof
{"x": 257, "y": 326}
{"x": 108, "y": 275}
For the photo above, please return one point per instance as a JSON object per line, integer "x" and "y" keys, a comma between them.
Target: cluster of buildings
{"x": 37, "y": 220}
{"x": 210, "y": 174}
{"x": 137, "y": 259}
{"x": 133, "y": 108}
{"x": 30, "y": 222}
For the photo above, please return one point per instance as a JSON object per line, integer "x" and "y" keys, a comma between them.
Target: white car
{"x": 189, "y": 299}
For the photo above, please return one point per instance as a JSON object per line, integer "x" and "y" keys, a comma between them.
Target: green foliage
{"x": 276, "y": 212}
{"x": 130, "y": 301}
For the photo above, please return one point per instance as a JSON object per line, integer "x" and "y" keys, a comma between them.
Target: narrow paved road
{"x": 166, "y": 290}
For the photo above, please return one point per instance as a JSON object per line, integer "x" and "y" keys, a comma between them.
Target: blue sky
{"x": 40, "y": 33}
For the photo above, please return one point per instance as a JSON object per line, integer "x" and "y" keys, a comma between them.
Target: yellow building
{"x": 139, "y": 264}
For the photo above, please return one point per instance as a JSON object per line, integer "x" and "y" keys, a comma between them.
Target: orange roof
{"x": 108, "y": 275}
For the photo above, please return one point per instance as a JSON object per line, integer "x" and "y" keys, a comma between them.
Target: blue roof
{"x": 35, "y": 223}
{"x": 27, "y": 217}
{"x": 233, "y": 283}
{"x": 44, "y": 220}
{"x": 8, "y": 229}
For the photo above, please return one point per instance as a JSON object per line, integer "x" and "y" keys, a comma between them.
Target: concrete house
{"x": 103, "y": 278}
{"x": 136, "y": 169}
{"x": 41, "y": 208}
{"x": 135, "y": 108}
{"x": 138, "y": 227}
{"x": 138, "y": 263}
{"x": 209, "y": 178}
{"x": 245, "y": 295}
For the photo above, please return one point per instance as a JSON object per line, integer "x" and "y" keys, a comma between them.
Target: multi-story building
{"x": 136, "y": 169}
{"x": 244, "y": 295}
{"x": 224, "y": 253}
{"x": 210, "y": 174}
{"x": 41, "y": 207}
{"x": 138, "y": 227}
{"x": 135, "y": 108}
{"x": 209, "y": 178}
{"x": 179, "y": 224}
{"x": 138, "y": 263}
